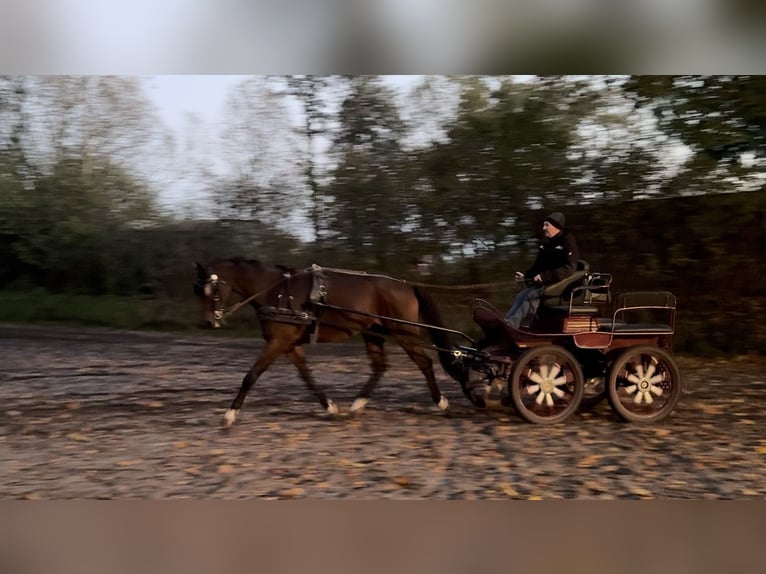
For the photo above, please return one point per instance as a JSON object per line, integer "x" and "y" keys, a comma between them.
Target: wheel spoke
{"x": 532, "y": 389}
{"x": 560, "y": 381}
{"x": 648, "y": 397}
{"x": 630, "y": 389}
{"x": 532, "y": 376}
{"x": 633, "y": 378}
{"x": 555, "y": 370}
{"x": 656, "y": 390}
{"x": 558, "y": 392}
{"x": 540, "y": 396}
{"x": 548, "y": 399}
{"x": 637, "y": 398}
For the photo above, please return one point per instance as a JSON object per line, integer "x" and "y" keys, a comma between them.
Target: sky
{"x": 205, "y": 95}
{"x": 178, "y": 95}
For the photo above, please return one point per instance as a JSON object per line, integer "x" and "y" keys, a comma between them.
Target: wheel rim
{"x": 547, "y": 385}
{"x": 644, "y": 385}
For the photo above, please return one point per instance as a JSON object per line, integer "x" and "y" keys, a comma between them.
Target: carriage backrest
{"x": 559, "y": 293}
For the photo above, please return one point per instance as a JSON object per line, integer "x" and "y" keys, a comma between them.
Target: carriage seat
{"x": 557, "y": 295}
{"x": 621, "y": 327}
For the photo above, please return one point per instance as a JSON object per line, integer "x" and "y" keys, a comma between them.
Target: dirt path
{"x": 91, "y": 413}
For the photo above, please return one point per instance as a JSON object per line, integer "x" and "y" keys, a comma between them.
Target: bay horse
{"x": 319, "y": 305}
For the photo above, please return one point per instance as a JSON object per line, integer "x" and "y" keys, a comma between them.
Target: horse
{"x": 319, "y": 305}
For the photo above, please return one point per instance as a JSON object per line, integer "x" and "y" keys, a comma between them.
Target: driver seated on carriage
{"x": 556, "y": 260}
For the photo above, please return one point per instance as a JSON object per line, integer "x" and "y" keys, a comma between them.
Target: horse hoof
{"x": 332, "y": 408}
{"x": 358, "y": 405}
{"x": 229, "y": 417}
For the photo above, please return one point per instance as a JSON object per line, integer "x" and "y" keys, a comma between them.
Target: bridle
{"x": 211, "y": 288}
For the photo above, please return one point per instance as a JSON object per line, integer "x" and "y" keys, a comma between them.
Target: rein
{"x": 434, "y": 286}
{"x": 237, "y": 306}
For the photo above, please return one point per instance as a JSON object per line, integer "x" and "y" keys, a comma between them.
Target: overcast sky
{"x": 177, "y": 96}
{"x": 205, "y": 95}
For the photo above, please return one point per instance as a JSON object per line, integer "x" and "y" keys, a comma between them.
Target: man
{"x": 556, "y": 259}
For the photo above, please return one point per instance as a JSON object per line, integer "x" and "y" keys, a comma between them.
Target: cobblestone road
{"x": 91, "y": 413}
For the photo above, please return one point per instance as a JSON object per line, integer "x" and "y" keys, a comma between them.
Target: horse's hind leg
{"x": 265, "y": 359}
{"x": 422, "y": 360}
{"x": 299, "y": 360}
{"x": 377, "y": 358}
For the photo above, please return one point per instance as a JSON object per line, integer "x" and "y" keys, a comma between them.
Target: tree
{"x": 721, "y": 118}
{"x": 367, "y": 199}
{"x": 310, "y": 91}
{"x": 260, "y": 178}
{"x": 83, "y": 140}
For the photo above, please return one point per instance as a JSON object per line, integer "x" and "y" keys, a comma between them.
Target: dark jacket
{"x": 556, "y": 258}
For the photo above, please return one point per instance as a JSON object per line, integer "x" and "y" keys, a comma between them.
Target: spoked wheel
{"x": 644, "y": 384}
{"x": 546, "y": 384}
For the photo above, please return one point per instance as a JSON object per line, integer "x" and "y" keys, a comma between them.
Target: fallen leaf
{"x": 292, "y": 492}
{"x": 78, "y": 437}
{"x": 508, "y": 489}
{"x": 589, "y": 461}
{"x": 402, "y": 481}
{"x": 641, "y": 491}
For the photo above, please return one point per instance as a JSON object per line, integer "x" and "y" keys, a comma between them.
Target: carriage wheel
{"x": 546, "y": 384}
{"x": 644, "y": 384}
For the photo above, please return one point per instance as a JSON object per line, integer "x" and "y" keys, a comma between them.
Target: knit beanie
{"x": 556, "y": 219}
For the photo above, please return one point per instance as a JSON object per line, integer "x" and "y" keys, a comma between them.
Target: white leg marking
{"x": 332, "y": 408}
{"x": 358, "y": 404}
{"x": 443, "y": 403}
{"x": 229, "y": 417}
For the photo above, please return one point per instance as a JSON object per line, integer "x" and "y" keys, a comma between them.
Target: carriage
{"x": 581, "y": 346}
{"x": 584, "y": 344}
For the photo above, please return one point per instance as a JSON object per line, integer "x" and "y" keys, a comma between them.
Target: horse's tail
{"x": 429, "y": 314}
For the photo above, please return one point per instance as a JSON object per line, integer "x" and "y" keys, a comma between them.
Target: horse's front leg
{"x": 299, "y": 360}
{"x": 272, "y": 350}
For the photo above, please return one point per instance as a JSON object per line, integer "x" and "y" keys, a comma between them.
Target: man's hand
{"x": 519, "y": 277}
{"x": 537, "y": 278}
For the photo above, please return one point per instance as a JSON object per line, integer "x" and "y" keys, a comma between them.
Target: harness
{"x": 286, "y": 309}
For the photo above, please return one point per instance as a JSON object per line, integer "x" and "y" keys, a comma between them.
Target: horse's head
{"x": 213, "y": 293}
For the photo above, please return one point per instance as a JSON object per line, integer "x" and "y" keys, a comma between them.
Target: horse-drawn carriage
{"x": 582, "y": 345}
